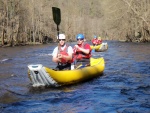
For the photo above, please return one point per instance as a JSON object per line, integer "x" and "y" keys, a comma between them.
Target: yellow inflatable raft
{"x": 44, "y": 76}
{"x": 100, "y": 48}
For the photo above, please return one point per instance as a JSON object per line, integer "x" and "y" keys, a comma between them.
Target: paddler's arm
{"x": 86, "y": 51}
{"x": 55, "y": 59}
{"x": 55, "y": 55}
{"x": 70, "y": 54}
{"x": 66, "y": 57}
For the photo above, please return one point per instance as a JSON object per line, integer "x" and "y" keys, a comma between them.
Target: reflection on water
{"x": 124, "y": 87}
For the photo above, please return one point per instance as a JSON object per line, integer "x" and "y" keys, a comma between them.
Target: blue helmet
{"x": 95, "y": 36}
{"x": 80, "y": 36}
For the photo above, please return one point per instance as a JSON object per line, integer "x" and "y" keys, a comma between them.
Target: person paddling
{"x": 100, "y": 40}
{"x": 62, "y": 54}
{"x": 96, "y": 40}
{"x": 82, "y": 51}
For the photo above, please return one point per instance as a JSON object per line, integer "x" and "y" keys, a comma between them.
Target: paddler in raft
{"x": 82, "y": 52}
{"x": 62, "y": 54}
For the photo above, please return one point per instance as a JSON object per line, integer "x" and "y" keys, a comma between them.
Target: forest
{"x": 25, "y": 22}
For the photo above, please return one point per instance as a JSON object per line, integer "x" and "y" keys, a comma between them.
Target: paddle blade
{"x": 56, "y": 15}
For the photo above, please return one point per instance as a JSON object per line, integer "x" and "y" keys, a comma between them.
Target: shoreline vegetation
{"x": 38, "y": 43}
{"x": 24, "y": 22}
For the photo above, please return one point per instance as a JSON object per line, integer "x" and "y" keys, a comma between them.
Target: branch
{"x": 129, "y": 4}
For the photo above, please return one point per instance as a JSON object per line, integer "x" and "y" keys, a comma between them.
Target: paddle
{"x": 80, "y": 66}
{"x": 57, "y": 18}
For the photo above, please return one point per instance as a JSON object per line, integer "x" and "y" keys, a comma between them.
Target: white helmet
{"x": 61, "y": 36}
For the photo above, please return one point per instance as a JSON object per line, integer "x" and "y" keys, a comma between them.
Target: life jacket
{"x": 95, "y": 41}
{"x": 64, "y": 52}
{"x": 80, "y": 55}
{"x": 99, "y": 41}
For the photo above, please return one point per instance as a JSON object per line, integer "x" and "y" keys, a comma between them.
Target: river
{"x": 124, "y": 86}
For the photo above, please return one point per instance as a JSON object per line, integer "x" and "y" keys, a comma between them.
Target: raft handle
{"x": 36, "y": 72}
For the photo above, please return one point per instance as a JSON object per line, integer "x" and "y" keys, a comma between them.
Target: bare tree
{"x": 31, "y": 21}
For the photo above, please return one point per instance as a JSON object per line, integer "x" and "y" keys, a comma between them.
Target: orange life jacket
{"x": 80, "y": 55}
{"x": 64, "y": 52}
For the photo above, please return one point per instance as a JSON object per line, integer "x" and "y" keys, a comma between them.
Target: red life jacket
{"x": 64, "y": 52}
{"x": 94, "y": 41}
{"x": 80, "y": 55}
{"x": 99, "y": 41}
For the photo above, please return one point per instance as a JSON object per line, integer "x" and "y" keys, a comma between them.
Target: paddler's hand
{"x": 77, "y": 47}
{"x": 60, "y": 56}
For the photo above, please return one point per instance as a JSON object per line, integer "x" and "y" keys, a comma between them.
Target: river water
{"x": 124, "y": 86}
